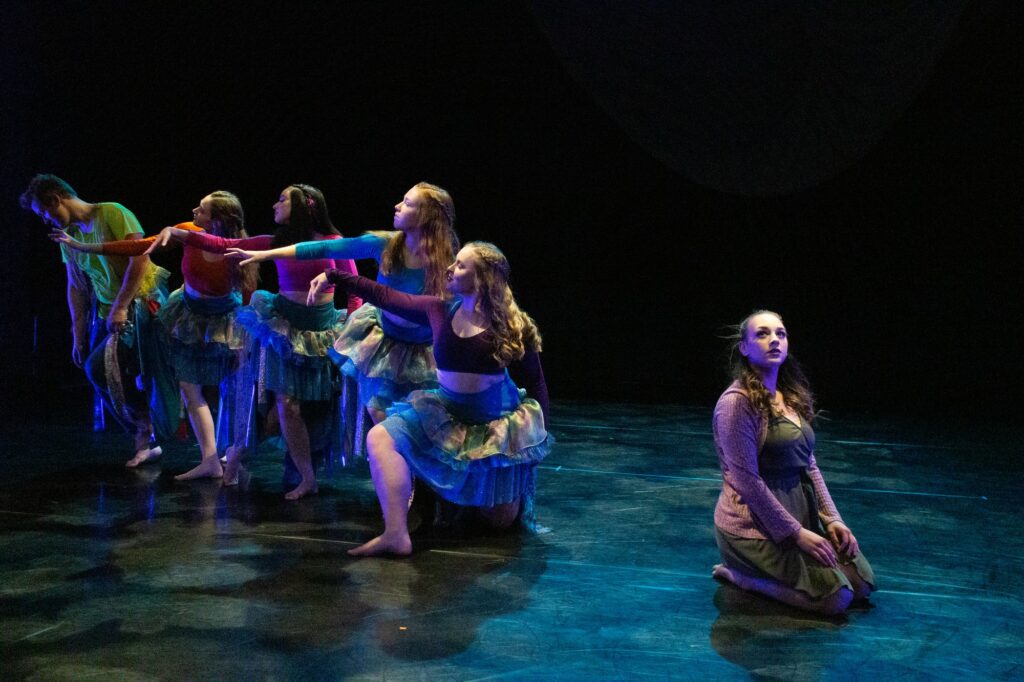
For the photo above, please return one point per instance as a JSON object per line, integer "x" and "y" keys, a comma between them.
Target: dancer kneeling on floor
{"x": 477, "y": 439}
{"x": 776, "y": 526}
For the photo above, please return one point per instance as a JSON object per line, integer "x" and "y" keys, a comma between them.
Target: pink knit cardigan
{"x": 746, "y": 508}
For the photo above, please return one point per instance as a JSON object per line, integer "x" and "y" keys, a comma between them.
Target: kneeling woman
{"x": 477, "y": 439}
{"x": 777, "y": 529}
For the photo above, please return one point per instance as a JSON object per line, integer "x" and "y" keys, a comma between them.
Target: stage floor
{"x": 111, "y": 573}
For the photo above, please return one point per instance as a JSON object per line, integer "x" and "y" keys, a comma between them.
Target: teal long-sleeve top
{"x": 407, "y": 280}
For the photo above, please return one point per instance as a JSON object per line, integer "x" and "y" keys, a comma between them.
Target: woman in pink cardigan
{"x": 777, "y": 529}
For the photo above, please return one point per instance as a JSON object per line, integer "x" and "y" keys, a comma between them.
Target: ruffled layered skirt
{"x": 473, "y": 449}
{"x": 385, "y": 368}
{"x": 287, "y": 354}
{"x": 293, "y": 340}
{"x": 201, "y": 337}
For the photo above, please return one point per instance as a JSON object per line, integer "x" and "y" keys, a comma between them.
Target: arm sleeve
{"x": 528, "y": 373}
{"x": 126, "y": 247}
{"x": 213, "y": 244}
{"x": 826, "y": 507}
{"x": 736, "y": 435}
{"x": 352, "y": 300}
{"x": 363, "y": 246}
{"x": 413, "y": 308}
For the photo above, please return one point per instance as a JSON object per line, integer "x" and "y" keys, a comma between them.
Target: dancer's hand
{"x": 316, "y": 285}
{"x": 816, "y": 546}
{"x": 61, "y": 237}
{"x": 117, "y": 320}
{"x": 166, "y": 235}
{"x": 249, "y": 256}
{"x": 843, "y": 539}
{"x": 79, "y": 351}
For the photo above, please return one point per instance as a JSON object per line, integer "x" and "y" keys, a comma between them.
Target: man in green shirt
{"x": 121, "y": 285}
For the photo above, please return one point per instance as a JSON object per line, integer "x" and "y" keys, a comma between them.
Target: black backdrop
{"x": 652, "y": 174}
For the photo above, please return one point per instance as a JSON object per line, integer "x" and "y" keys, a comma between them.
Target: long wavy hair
{"x": 228, "y": 220}
{"x": 514, "y": 331}
{"x": 796, "y": 389}
{"x": 438, "y": 241}
{"x": 308, "y": 218}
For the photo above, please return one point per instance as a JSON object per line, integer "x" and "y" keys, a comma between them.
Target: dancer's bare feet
{"x": 382, "y": 544}
{"x": 143, "y": 456}
{"x": 232, "y": 462}
{"x": 208, "y": 468}
{"x": 304, "y": 488}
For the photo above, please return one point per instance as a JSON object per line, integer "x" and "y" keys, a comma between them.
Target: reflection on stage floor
{"x": 106, "y": 571}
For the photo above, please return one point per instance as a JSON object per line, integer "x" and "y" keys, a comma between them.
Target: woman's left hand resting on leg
{"x": 843, "y": 539}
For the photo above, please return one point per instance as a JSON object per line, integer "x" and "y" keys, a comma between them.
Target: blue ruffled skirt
{"x": 293, "y": 340}
{"x": 201, "y": 338}
{"x": 386, "y": 368}
{"x": 473, "y": 449}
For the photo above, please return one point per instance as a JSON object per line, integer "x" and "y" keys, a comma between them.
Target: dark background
{"x": 654, "y": 171}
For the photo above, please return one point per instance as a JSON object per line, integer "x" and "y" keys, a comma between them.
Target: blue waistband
{"x": 485, "y": 406}
{"x": 202, "y": 305}
{"x": 301, "y": 316}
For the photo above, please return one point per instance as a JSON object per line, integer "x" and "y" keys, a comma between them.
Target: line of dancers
{"x": 437, "y": 353}
{"x": 430, "y": 355}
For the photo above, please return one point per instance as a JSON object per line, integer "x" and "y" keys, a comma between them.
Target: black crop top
{"x": 452, "y": 353}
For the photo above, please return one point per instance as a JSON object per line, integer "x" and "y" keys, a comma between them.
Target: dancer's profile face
{"x": 202, "y": 215}
{"x": 462, "y": 273}
{"x": 407, "y": 211}
{"x": 54, "y": 213}
{"x": 283, "y": 207}
{"x": 765, "y": 341}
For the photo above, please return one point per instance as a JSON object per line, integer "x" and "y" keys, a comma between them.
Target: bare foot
{"x": 208, "y": 468}
{"x": 143, "y": 456}
{"x": 401, "y": 546}
{"x": 304, "y": 488}
{"x": 232, "y": 462}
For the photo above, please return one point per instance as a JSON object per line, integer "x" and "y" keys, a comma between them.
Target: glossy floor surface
{"x": 107, "y": 573}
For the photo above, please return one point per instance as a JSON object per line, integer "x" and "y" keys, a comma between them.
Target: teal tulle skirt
{"x": 201, "y": 337}
{"x": 473, "y": 449}
{"x": 385, "y": 367}
{"x": 294, "y": 340}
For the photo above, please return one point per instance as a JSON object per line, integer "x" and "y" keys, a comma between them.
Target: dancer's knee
{"x": 501, "y": 515}
{"x": 379, "y": 441}
{"x": 837, "y": 602}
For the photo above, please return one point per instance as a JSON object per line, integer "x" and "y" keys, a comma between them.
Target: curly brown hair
{"x": 796, "y": 389}
{"x": 438, "y": 241}
{"x": 514, "y": 331}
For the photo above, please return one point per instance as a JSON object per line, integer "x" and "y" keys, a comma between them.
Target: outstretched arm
{"x": 353, "y": 248}
{"x": 122, "y": 247}
{"x": 416, "y": 309}
{"x": 282, "y": 253}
